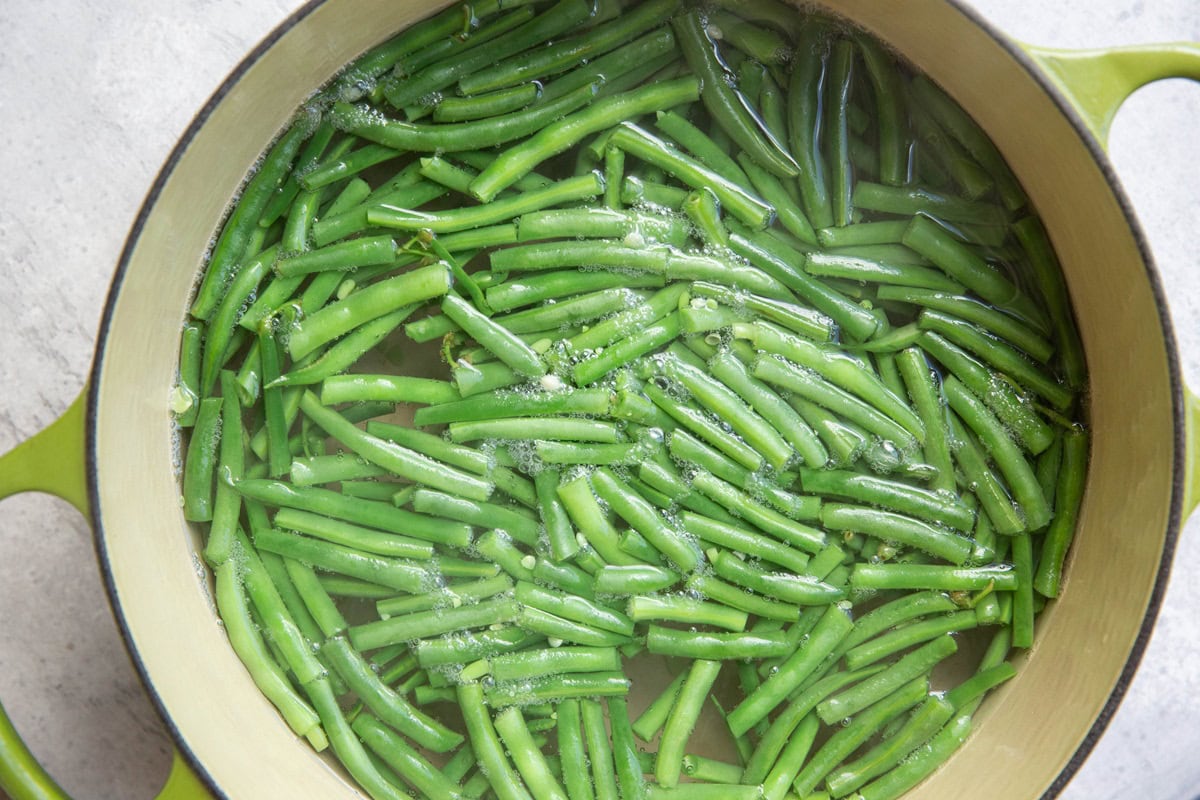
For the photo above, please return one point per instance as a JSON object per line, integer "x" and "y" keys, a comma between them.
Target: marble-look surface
{"x": 93, "y": 97}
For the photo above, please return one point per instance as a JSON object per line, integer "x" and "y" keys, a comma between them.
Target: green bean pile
{"x": 553, "y": 335}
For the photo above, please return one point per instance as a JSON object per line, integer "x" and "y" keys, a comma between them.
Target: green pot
{"x": 1047, "y": 111}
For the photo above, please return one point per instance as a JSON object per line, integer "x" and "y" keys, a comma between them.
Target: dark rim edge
{"x": 1175, "y": 516}
{"x": 93, "y": 394}
{"x": 1020, "y": 56}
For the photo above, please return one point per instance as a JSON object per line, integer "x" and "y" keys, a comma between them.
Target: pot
{"x": 1048, "y": 112}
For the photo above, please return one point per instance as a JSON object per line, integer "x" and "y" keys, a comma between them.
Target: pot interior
{"x": 1027, "y": 732}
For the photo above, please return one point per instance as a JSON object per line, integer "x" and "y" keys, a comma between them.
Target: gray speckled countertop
{"x": 92, "y": 99}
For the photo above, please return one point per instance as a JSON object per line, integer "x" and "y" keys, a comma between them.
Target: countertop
{"x": 93, "y": 97}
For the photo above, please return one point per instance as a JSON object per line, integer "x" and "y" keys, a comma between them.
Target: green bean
{"x": 993, "y": 495}
{"x": 390, "y": 388}
{"x": 407, "y": 762}
{"x": 526, "y": 756}
{"x": 997, "y": 392}
{"x": 890, "y": 526}
{"x": 680, "y": 608}
{"x": 559, "y": 136}
{"x": 668, "y": 763}
{"x": 620, "y": 354}
{"x": 452, "y": 595}
{"x": 804, "y": 103}
{"x": 698, "y": 143}
{"x": 316, "y": 470}
{"x": 185, "y": 395}
{"x": 724, "y": 103}
{"x": 1022, "y": 598}
{"x": 636, "y": 190}
{"x": 568, "y": 52}
{"x": 556, "y": 688}
{"x": 918, "y": 380}
{"x": 833, "y": 625}
{"x": 599, "y": 749}
{"x": 890, "y": 494}
{"x": 781, "y": 527}
{"x": 505, "y": 404}
{"x": 846, "y": 740}
{"x": 221, "y": 328}
{"x": 435, "y": 622}
{"x": 389, "y": 706}
{"x": 504, "y": 780}
{"x": 701, "y": 768}
{"x": 247, "y": 642}
{"x": 743, "y": 541}
{"x": 888, "y": 273}
{"x": 401, "y": 91}
{"x": 576, "y": 609}
{"x": 726, "y": 404}
{"x": 397, "y": 574}
{"x": 645, "y": 520}
{"x": 381, "y": 516}
{"x": 199, "y": 470}
{"x": 734, "y": 374}
{"x": 315, "y": 599}
{"x": 771, "y": 12}
{"x": 376, "y": 301}
{"x": 229, "y": 250}
{"x": 568, "y": 429}
{"x": 796, "y": 723}
{"x": 986, "y": 317}
{"x": 715, "y": 646}
{"x": 584, "y": 510}
{"x": 483, "y": 106}
{"x": 777, "y": 372}
{"x": 1004, "y": 451}
{"x": 468, "y": 646}
{"x": 926, "y": 205}
{"x": 394, "y": 458}
{"x": 637, "y": 142}
{"x": 932, "y": 576}
{"x": 802, "y": 590}
{"x": 485, "y": 515}
{"x": 908, "y": 635}
{"x": 331, "y": 228}
{"x": 840, "y": 77}
{"x": 999, "y": 355}
{"x": 1048, "y": 576}
{"x": 777, "y": 260}
{"x": 556, "y": 627}
{"x": 683, "y": 446}
{"x": 844, "y": 372}
{"x": 764, "y": 45}
{"x": 551, "y": 661}
{"x": 580, "y": 187}
{"x": 571, "y": 748}
{"x": 703, "y": 426}
{"x": 793, "y": 755}
{"x": 890, "y": 110}
{"x": 703, "y": 209}
{"x": 552, "y": 285}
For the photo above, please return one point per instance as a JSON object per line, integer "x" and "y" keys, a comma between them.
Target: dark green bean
{"x": 559, "y": 136}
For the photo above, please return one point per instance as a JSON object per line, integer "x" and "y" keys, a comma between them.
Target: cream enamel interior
{"x": 1028, "y": 731}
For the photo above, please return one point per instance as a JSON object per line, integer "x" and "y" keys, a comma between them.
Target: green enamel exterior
{"x": 1097, "y": 82}
{"x": 53, "y": 461}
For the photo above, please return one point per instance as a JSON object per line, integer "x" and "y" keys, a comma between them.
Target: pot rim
{"x": 1012, "y": 48}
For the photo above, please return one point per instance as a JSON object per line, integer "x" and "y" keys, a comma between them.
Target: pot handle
{"x": 1097, "y": 82}
{"x": 52, "y": 461}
